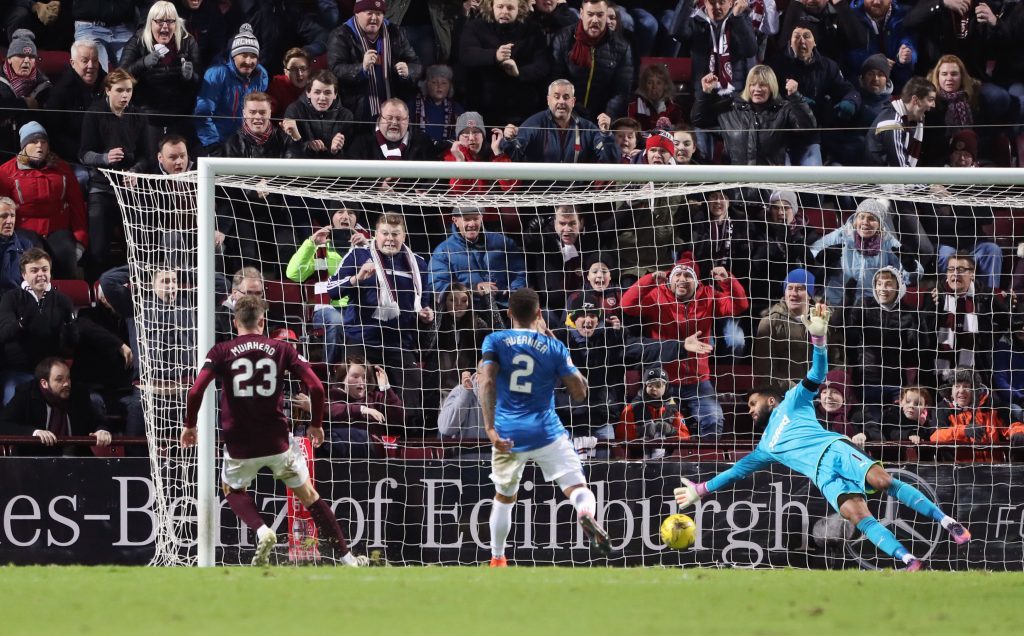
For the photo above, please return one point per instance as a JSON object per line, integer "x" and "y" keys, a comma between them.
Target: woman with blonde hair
{"x": 758, "y": 125}
{"x": 164, "y": 59}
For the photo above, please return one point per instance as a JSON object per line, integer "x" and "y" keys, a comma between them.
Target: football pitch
{"x": 520, "y": 601}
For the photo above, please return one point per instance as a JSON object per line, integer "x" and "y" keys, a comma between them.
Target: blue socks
{"x": 880, "y": 536}
{"x": 914, "y": 498}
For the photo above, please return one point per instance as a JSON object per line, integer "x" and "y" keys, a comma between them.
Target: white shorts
{"x": 558, "y": 461}
{"x": 289, "y": 467}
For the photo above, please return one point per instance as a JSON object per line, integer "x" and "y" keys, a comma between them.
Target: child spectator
{"x": 833, "y": 404}
{"x": 627, "y": 138}
{"x": 910, "y": 420}
{"x": 968, "y": 415}
{"x": 651, "y": 415}
{"x": 434, "y": 110}
{"x": 686, "y": 147}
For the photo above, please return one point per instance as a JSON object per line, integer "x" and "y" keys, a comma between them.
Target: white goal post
{"x": 344, "y": 181}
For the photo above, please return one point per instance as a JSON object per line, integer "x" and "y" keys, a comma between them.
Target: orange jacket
{"x": 630, "y": 429}
{"x": 958, "y": 421}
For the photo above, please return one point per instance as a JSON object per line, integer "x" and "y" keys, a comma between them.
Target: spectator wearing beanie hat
{"x": 847, "y": 146}
{"x": 473, "y": 142}
{"x": 22, "y": 85}
{"x": 433, "y": 110}
{"x": 660, "y": 149}
{"x": 373, "y": 60}
{"x": 222, "y": 94}
{"x": 780, "y": 242}
{"x": 38, "y": 181}
{"x": 782, "y": 347}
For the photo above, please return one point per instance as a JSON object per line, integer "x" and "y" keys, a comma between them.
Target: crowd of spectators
{"x": 926, "y": 345}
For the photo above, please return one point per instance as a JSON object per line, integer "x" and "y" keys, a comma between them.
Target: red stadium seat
{"x": 679, "y": 68}
{"x": 78, "y": 290}
{"x": 285, "y": 298}
{"x": 53, "y": 63}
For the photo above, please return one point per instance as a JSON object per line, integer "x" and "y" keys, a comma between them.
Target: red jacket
{"x": 49, "y": 198}
{"x": 666, "y": 318}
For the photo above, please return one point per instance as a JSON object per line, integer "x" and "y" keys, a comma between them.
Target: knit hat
{"x": 655, "y": 374}
{"x": 23, "y": 42}
{"x": 245, "y": 42}
{"x": 877, "y": 62}
{"x": 439, "y": 70}
{"x": 810, "y": 23}
{"x": 965, "y": 140}
{"x": 661, "y": 139}
{"x": 30, "y": 132}
{"x": 470, "y": 119}
{"x": 879, "y": 208}
{"x": 785, "y": 195}
{"x": 799, "y": 276}
{"x": 370, "y": 5}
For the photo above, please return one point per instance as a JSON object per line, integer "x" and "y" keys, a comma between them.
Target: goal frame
{"x": 210, "y": 168}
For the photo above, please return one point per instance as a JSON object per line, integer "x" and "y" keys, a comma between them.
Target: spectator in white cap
{"x": 219, "y": 106}
{"x": 22, "y": 85}
{"x": 433, "y": 109}
{"x": 373, "y": 60}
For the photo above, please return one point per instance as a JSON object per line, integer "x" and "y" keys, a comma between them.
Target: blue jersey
{"x": 794, "y": 437}
{"x": 530, "y": 365}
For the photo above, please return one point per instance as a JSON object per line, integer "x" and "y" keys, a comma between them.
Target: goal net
{"x": 676, "y": 290}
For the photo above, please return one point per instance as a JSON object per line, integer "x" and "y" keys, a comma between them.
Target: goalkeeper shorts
{"x": 843, "y": 470}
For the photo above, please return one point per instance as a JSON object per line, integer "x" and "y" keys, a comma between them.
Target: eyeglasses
{"x": 297, "y": 69}
{"x": 165, "y": 22}
{"x": 959, "y": 270}
{"x": 393, "y": 120}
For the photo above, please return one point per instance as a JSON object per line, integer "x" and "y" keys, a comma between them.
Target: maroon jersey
{"x": 251, "y": 370}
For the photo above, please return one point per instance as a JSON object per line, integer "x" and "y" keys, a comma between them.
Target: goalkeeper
{"x": 793, "y": 437}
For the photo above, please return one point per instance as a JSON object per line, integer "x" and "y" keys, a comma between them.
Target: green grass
{"x": 522, "y": 601}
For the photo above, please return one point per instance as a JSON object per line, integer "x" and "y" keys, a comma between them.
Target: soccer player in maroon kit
{"x": 251, "y": 368}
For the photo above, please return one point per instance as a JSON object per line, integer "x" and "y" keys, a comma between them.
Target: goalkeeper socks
{"x": 583, "y": 501}
{"x": 880, "y": 536}
{"x": 327, "y": 523}
{"x": 501, "y": 524}
{"x": 245, "y": 509}
{"x": 914, "y": 498}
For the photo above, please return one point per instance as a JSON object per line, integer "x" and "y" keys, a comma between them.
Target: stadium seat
{"x": 285, "y": 298}
{"x": 78, "y": 290}
{"x": 1002, "y": 152}
{"x": 679, "y": 68}
{"x": 53, "y": 63}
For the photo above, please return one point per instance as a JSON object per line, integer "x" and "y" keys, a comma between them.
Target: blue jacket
{"x": 893, "y": 35}
{"x": 539, "y": 141}
{"x": 858, "y": 267}
{"x": 219, "y": 105}
{"x": 360, "y": 324}
{"x": 10, "y": 269}
{"x": 492, "y": 258}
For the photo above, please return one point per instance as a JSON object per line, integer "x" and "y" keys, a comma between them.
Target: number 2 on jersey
{"x": 246, "y": 377}
{"x": 518, "y": 382}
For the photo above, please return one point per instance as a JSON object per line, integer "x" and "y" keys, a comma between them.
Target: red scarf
{"x": 257, "y": 138}
{"x": 21, "y": 86}
{"x": 582, "y": 53}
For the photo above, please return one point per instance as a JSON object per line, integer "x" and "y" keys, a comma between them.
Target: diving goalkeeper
{"x": 793, "y": 437}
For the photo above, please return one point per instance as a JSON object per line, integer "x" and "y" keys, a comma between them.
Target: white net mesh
{"x": 413, "y": 487}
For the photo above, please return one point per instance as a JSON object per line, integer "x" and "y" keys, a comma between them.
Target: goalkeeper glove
{"x": 816, "y": 323}
{"x": 689, "y": 493}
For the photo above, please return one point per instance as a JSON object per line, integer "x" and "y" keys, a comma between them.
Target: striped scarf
{"x": 911, "y": 140}
{"x": 21, "y": 86}
{"x": 257, "y": 138}
{"x": 957, "y": 329}
{"x": 448, "y": 121}
{"x": 380, "y": 78}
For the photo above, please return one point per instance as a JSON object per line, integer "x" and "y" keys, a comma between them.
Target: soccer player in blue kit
{"x": 518, "y": 374}
{"x": 793, "y": 437}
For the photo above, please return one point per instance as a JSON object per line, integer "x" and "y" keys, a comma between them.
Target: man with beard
{"x": 794, "y": 438}
{"x": 597, "y": 61}
{"x": 392, "y": 138}
{"x": 557, "y": 135}
{"x": 373, "y": 60}
{"x": 219, "y": 105}
{"x": 38, "y": 181}
{"x": 876, "y": 89}
{"x": 47, "y": 408}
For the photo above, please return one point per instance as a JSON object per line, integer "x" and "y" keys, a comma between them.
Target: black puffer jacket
{"x": 70, "y": 93}
{"x": 884, "y": 340}
{"x": 345, "y": 59}
{"x": 31, "y": 330}
{"x": 314, "y": 124}
{"x": 754, "y": 135}
{"x": 821, "y": 83}
{"x": 162, "y": 87}
{"x": 607, "y": 88}
{"x": 241, "y": 146}
{"x": 499, "y": 97}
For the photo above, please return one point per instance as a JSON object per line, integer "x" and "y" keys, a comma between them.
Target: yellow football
{"x": 678, "y": 531}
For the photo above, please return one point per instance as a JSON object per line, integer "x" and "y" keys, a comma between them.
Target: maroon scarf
{"x": 257, "y": 138}
{"x": 958, "y": 114}
{"x": 868, "y": 246}
{"x": 582, "y": 53}
{"x": 385, "y": 144}
{"x": 21, "y": 86}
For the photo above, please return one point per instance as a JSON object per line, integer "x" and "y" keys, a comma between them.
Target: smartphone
{"x": 341, "y": 237}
